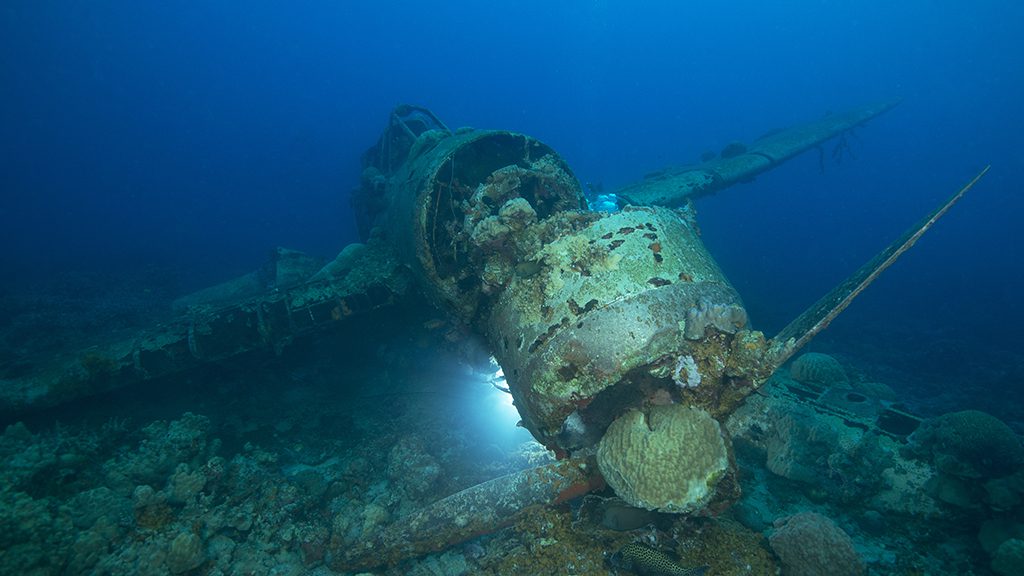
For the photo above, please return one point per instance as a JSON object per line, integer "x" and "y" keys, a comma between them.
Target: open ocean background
{"x": 156, "y": 148}
{"x": 195, "y": 137}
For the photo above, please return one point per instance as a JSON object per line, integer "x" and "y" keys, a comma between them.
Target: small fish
{"x": 646, "y": 561}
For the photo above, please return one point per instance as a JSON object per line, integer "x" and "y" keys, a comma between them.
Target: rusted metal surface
{"x": 604, "y": 322}
{"x": 475, "y": 511}
{"x": 445, "y": 200}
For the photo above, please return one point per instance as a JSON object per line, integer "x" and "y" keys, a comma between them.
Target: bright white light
{"x": 496, "y": 414}
{"x": 505, "y": 403}
{"x": 504, "y": 397}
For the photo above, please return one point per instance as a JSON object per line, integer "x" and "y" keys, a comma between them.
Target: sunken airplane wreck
{"x": 613, "y": 329}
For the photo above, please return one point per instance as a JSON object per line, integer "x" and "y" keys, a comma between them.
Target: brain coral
{"x": 817, "y": 368}
{"x": 970, "y": 444}
{"x": 809, "y": 544}
{"x": 668, "y": 460}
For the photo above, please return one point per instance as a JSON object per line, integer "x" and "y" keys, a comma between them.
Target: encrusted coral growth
{"x": 726, "y": 318}
{"x": 163, "y": 447}
{"x": 40, "y": 534}
{"x": 185, "y": 553}
{"x": 727, "y": 548}
{"x": 895, "y": 497}
{"x": 827, "y": 457}
{"x": 686, "y": 374}
{"x": 499, "y": 214}
{"x": 970, "y": 444}
{"x": 817, "y": 368}
{"x": 559, "y": 541}
{"x": 809, "y": 544}
{"x": 411, "y": 469}
{"x": 903, "y": 492}
{"x": 894, "y": 504}
{"x": 844, "y": 462}
{"x": 166, "y": 506}
{"x": 669, "y": 460}
{"x": 509, "y": 201}
{"x": 547, "y": 541}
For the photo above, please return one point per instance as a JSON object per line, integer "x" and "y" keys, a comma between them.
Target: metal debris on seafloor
{"x": 472, "y": 512}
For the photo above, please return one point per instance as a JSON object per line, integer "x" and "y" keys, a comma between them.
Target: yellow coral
{"x": 669, "y": 460}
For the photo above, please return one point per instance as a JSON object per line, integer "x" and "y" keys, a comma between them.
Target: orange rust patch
{"x": 586, "y": 486}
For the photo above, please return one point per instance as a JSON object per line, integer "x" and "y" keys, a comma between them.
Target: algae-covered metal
{"x": 620, "y": 311}
{"x": 589, "y": 314}
{"x": 262, "y": 311}
{"x": 741, "y": 163}
{"x": 477, "y": 510}
{"x": 451, "y": 215}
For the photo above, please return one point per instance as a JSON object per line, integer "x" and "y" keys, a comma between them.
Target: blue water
{"x": 210, "y": 133}
{"x": 199, "y": 137}
{"x": 193, "y": 138}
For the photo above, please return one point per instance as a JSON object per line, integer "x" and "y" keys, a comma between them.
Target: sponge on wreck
{"x": 667, "y": 460}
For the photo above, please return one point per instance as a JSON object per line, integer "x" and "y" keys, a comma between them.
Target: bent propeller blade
{"x": 817, "y": 317}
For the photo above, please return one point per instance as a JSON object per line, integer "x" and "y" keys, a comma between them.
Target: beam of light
{"x": 493, "y": 411}
{"x": 503, "y": 400}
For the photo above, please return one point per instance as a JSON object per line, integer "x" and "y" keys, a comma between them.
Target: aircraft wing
{"x": 741, "y": 163}
{"x": 258, "y": 311}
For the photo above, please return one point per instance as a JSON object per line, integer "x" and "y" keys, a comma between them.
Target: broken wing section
{"x": 257, "y": 312}
{"x": 817, "y": 317}
{"x": 738, "y": 163}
